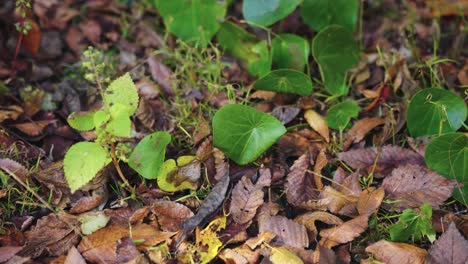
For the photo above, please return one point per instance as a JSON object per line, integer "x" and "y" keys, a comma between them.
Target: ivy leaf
{"x": 82, "y": 162}
{"x": 267, "y": 12}
{"x": 335, "y": 51}
{"x": 339, "y": 115}
{"x": 82, "y": 121}
{"x": 192, "y": 20}
{"x": 435, "y": 111}
{"x": 448, "y": 155}
{"x": 285, "y": 81}
{"x": 244, "y": 133}
{"x": 290, "y": 51}
{"x": 318, "y": 14}
{"x": 148, "y": 155}
{"x": 414, "y": 225}
{"x": 121, "y": 95}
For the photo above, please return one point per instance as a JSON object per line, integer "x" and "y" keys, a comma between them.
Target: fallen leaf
{"x": 412, "y": 185}
{"x": 207, "y": 239}
{"x": 32, "y": 40}
{"x": 320, "y": 162}
{"x": 318, "y": 123}
{"x": 285, "y": 113}
{"x": 126, "y": 250}
{"x": 10, "y": 112}
{"x": 360, "y": 129}
{"x": 170, "y": 214}
{"x": 92, "y": 222}
{"x": 33, "y": 128}
{"x": 396, "y": 253}
{"x": 247, "y": 197}
{"x": 300, "y": 186}
{"x": 336, "y": 200}
{"x": 288, "y": 231}
{"x": 323, "y": 255}
{"x": 369, "y": 200}
{"x": 347, "y": 183}
{"x": 447, "y": 7}
{"x": 221, "y": 165}
{"x": 92, "y": 30}
{"x": 265, "y": 95}
{"x": 385, "y": 159}
{"x": 7, "y": 252}
{"x": 451, "y": 247}
{"x": 262, "y": 237}
{"x": 345, "y": 232}
{"x": 12, "y": 166}
{"x": 280, "y": 255}
{"x": 74, "y": 257}
{"x": 161, "y": 74}
{"x": 308, "y": 220}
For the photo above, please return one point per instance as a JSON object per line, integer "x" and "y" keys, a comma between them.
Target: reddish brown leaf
{"x": 161, "y": 74}
{"x": 451, "y": 247}
{"x": 396, "y": 253}
{"x": 413, "y": 185}
{"x": 33, "y": 128}
{"x": 288, "y": 231}
{"x": 336, "y": 200}
{"x": 300, "y": 185}
{"x": 345, "y": 232}
{"x": 320, "y": 163}
{"x": 32, "y": 40}
{"x": 247, "y": 197}
{"x": 369, "y": 200}
{"x": 170, "y": 214}
{"x": 360, "y": 130}
{"x": 6, "y": 253}
{"x": 221, "y": 165}
{"x": 308, "y": 220}
{"x": 386, "y": 159}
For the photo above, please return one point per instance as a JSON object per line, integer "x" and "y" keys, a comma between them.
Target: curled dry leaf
{"x": 369, "y": 200}
{"x": 345, "y": 232}
{"x": 74, "y": 257}
{"x": 300, "y": 185}
{"x": 396, "y": 253}
{"x": 221, "y": 164}
{"x": 33, "y": 128}
{"x": 161, "y": 74}
{"x": 263, "y": 237}
{"x": 14, "y": 167}
{"x": 308, "y": 220}
{"x": 336, "y": 200}
{"x": 385, "y": 159}
{"x": 360, "y": 130}
{"x": 318, "y": 123}
{"x": 170, "y": 214}
{"x": 288, "y": 231}
{"x": 10, "y": 112}
{"x": 451, "y": 247}
{"x": 320, "y": 162}
{"x": 240, "y": 255}
{"x": 264, "y": 95}
{"x": 247, "y": 197}
{"x": 347, "y": 183}
{"x": 413, "y": 185}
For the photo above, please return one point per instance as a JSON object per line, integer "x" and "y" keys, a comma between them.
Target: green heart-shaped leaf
{"x": 236, "y": 41}
{"x": 192, "y": 20}
{"x": 335, "y": 51}
{"x": 435, "y": 111}
{"x": 148, "y": 156}
{"x": 267, "y": 12}
{"x": 244, "y": 133}
{"x": 261, "y": 63}
{"x": 448, "y": 155}
{"x": 321, "y": 13}
{"x": 339, "y": 115}
{"x": 290, "y": 51}
{"x": 82, "y": 162}
{"x": 285, "y": 81}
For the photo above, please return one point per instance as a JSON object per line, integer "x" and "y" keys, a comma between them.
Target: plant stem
{"x": 119, "y": 171}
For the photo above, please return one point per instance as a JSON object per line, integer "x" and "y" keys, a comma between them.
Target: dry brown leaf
{"x": 369, "y": 200}
{"x": 318, "y": 123}
{"x": 323, "y": 255}
{"x": 86, "y": 203}
{"x": 288, "y": 231}
{"x": 33, "y": 128}
{"x": 8, "y": 252}
{"x": 388, "y": 158}
{"x": 92, "y": 30}
{"x": 345, "y": 232}
{"x": 308, "y": 220}
{"x": 463, "y": 75}
{"x": 126, "y": 250}
{"x": 221, "y": 165}
{"x": 336, "y": 200}
{"x": 241, "y": 254}
{"x": 170, "y": 214}
{"x": 360, "y": 130}
{"x": 347, "y": 183}
{"x": 247, "y": 197}
{"x": 14, "y": 167}
{"x": 74, "y": 257}
{"x": 146, "y": 114}
{"x": 413, "y": 185}
{"x": 263, "y": 237}
{"x": 10, "y": 112}
{"x": 451, "y": 247}
{"x": 447, "y": 7}
{"x": 285, "y": 113}
{"x": 265, "y": 95}
{"x": 266, "y": 210}
{"x": 320, "y": 162}
{"x": 300, "y": 186}
{"x": 203, "y": 130}
{"x": 396, "y": 253}
{"x": 161, "y": 74}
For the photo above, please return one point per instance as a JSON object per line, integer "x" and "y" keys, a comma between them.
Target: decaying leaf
{"x": 207, "y": 240}
{"x": 221, "y": 165}
{"x": 386, "y": 159}
{"x": 336, "y": 200}
{"x": 263, "y": 237}
{"x": 300, "y": 185}
{"x": 285, "y": 113}
{"x": 347, "y": 183}
{"x": 14, "y": 167}
{"x": 323, "y": 255}
{"x": 281, "y": 255}
{"x": 170, "y": 214}
{"x": 247, "y": 197}
{"x": 451, "y": 247}
{"x": 33, "y": 128}
{"x": 308, "y": 220}
{"x": 412, "y": 185}
{"x": 161, "y": 74}
{"x": 396, "y": 253}
{"x": 360, "y": 129}
{"x": 10, "y": 112}
{"x": 288, "y": 231}
{"x": 318, "y": 123}
{"x": 320, "y": 162}
{"x": 345, "y": 232}
{"x": 74, "y": 257}
{"x": 369, "y": 200}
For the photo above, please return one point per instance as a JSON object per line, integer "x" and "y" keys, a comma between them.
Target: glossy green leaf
{"x": 236, "y": 41}
{"x": 448, "y": 155}
{"x": 244, "y": 133}
{"x": 267, "y": 12}
{"x": 148, "y": 156}
{"x": 192, "y": 20}
{"x": 413, "y": 225}
{"x": 285, "y": 81}
{"x": 82, "y": 162}
{"x": 121, "y": 95}
{"x": 339, "y": 115}
{"x": 335, "y": 51}
{"x": 435, "y": 111}
{"x": 82, "y": 121}
{"x": 319, "y": 14}
{"x": 261, "y": 63}
{"x": 290, "y": 52}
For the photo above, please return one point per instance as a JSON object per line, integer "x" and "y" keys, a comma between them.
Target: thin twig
{"x": 119, "y": 171}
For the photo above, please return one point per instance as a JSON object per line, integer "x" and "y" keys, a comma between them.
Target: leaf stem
{"x": 119, "y": 171}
